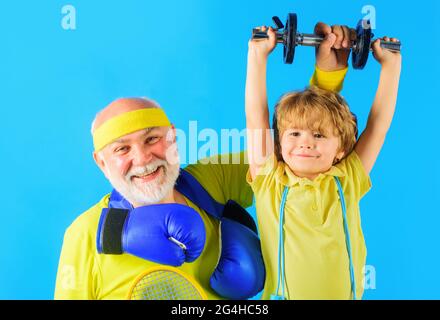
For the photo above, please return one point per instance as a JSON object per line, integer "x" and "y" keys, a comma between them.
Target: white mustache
{"x": 151, "y": 167}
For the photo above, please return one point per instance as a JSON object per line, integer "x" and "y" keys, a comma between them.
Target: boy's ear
{"x": 339, "y": 156}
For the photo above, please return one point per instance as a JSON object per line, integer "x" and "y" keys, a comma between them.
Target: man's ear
{"x": 172, "y": 154}
{"x": 100, "y": 162}
{"x": 173, "y": 131}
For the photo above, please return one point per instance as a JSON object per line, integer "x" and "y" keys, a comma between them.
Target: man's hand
{"x": 333, "y": 53}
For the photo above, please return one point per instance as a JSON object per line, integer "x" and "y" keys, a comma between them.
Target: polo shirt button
{"x": 314, "y": 208}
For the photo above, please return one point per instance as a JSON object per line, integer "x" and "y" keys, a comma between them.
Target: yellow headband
{"x": 126, "y": 123}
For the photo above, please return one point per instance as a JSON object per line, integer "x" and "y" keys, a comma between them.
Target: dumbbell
{"x": 291, "y": 38}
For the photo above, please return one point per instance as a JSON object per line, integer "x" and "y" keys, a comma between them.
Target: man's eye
{"x": 151, "y": 140}
{"x": 121, "y": 149}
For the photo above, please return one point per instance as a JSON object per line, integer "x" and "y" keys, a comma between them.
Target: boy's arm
{"x": 259, "y": 138}
{"x": 379, "y": 120}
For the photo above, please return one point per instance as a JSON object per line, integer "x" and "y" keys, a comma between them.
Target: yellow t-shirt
{"x": 316, "y": 258}
{"x": 85, "y": 274}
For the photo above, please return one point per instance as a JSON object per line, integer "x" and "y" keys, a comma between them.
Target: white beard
{"x": 146, "y": 193}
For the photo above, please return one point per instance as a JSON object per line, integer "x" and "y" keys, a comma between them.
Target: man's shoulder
{"x": 88, "y": 220}
{"x": 224, "y": 177}
{"x": 217, "y": 167}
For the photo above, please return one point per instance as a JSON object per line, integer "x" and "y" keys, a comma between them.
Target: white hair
{"x": 150, "y": 192}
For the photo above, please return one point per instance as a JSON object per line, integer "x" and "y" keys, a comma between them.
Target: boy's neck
{"x": 311, "y": 177}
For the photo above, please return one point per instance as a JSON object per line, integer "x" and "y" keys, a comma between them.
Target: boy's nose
{"x": 306, "y": 143}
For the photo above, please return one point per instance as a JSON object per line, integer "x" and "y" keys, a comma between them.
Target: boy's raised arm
{"x": 331, "y": 67}
{"x": 259, "y": 139}
{"x": 379, "y": 120}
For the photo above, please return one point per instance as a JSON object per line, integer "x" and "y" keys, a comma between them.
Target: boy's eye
{"x": 294, "y": 133}
{"x": 318, "y": 135}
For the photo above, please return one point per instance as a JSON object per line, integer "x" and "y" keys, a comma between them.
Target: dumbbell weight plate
{"x": 290, "y": 37}
{"x": 363, "y": 42}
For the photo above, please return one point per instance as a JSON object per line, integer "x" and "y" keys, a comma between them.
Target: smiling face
{"x": 138, "y": 166}
{"x": 309, "y": 152}
{"x": 142, "y": 166}
{"x": 314, "y": 129}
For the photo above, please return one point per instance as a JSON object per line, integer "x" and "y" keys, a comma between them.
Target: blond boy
{"x": 314, "y": 148}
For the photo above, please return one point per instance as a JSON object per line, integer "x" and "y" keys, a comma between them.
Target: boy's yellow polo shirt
{"x": 316, "y": 258}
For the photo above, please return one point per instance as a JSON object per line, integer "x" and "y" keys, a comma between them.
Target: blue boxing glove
{"x": 168, "y": 234}
{"x": 240, "y": 273}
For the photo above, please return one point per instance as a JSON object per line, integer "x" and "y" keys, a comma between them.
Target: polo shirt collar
{"x": 286, "y": 177}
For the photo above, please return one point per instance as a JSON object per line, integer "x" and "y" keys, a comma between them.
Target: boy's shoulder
{"x": 271, "y": 174}
{"x": 351, "y": 163}
{"x": 355, "y": 177}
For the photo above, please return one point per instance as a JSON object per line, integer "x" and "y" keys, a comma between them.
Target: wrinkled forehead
{"x": 140, "y": 135}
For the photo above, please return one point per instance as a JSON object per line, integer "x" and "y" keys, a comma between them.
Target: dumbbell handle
{"x": 257, "y": 34}
{"x": 313, "y": 40}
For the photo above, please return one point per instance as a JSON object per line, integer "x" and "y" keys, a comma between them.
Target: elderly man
{"x": 149, "y": 221}
{"x": 135, "y": 149}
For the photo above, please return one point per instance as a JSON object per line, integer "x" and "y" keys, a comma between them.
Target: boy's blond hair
{"x": 318, "y": 110}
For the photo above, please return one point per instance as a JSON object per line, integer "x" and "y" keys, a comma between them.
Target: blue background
{"x": 190, "y": 56}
